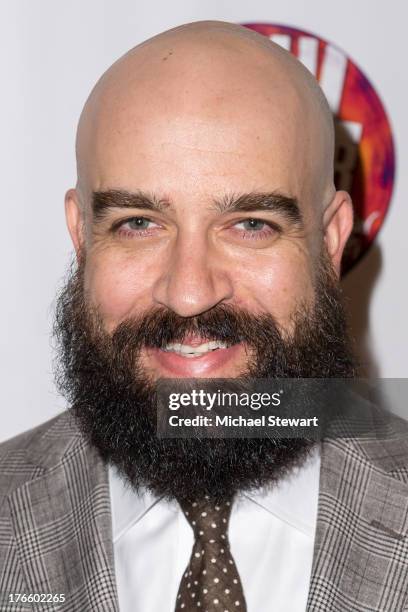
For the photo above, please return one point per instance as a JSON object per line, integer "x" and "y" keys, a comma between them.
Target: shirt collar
{"x": 128, "y": 506}
{"x": 293, "y": 500}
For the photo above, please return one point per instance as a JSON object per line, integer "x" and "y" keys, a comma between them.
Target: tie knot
{"x": 208, "y": 520}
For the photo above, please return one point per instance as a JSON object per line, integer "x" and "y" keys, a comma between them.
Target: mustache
{"x": 224, "y": 323}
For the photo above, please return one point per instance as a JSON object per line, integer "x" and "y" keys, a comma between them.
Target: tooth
{"x": 190, "y": 351}
{"x": 185, "y": 349}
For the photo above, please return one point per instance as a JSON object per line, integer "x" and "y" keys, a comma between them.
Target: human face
{"x": 212, "y": 204}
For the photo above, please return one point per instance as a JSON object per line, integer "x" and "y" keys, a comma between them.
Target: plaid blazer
{"x": 56, "y": 534}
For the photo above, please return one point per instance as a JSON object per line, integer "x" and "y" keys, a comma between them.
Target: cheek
{"x": 277, "y": 283}
{"x": 118, "y": 286}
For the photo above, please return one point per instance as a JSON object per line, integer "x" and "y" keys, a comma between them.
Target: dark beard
{"x": 114, "y": 402}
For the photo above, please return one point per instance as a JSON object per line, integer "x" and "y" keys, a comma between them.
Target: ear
{"x": 74, "y": 219}
{"x": 337, "y": 226}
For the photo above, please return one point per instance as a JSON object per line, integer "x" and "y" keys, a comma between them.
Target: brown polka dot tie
{"x": 211, "y": 581}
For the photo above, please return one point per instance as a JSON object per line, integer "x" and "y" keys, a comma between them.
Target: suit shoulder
{"x": 29, "y": 437}
{"x": 387, "y": 446}
{"x": 396, "y": 430}
{"x": 397, "y": 447}
{"x": 27, "y": 455}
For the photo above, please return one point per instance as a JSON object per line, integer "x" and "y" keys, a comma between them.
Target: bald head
{"x": 205, "y": 177}
{"x": 206, "y": 90}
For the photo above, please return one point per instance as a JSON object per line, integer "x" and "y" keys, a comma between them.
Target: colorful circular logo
{"x": 364, "y": 157}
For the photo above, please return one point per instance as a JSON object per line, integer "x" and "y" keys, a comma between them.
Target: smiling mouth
{"x": 190, "y": 351}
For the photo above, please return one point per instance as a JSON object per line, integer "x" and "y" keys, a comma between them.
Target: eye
{"x": 137, "y": 223}
{"x": 135, "y": 226}
{"x": 256, "y": 229}
{"x": 251, "y": 225}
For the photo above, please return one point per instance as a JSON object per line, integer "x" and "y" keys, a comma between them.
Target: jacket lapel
{"x": 361, "y": 544}
{"x": 62, "y": 524}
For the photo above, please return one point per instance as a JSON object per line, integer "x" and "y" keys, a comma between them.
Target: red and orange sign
{"x": 365, "y": 157}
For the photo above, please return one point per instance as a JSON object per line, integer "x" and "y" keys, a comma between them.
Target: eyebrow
{"x": 102, "y": 201}
{"x": 284, "y": 205}
{"x": 273, "y": 201}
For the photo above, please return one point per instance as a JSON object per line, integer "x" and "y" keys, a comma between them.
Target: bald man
{"x": 208, "y": 236}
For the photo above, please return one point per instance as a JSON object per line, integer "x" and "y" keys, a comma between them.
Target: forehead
{"x": 174, "y": 131}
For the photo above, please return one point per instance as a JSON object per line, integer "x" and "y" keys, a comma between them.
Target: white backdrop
{"x": 52, "y": 54}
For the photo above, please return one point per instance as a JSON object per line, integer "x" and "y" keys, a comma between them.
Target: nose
{"x": 194, "y": 280}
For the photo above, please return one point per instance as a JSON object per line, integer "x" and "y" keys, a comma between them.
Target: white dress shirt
{"x": 271, "y": 536}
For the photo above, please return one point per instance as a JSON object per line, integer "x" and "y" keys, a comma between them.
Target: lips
{"x": 195, "y": 358}
{"x": 190, "y": 351}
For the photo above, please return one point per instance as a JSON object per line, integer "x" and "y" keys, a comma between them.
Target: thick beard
{"x": 114, "y": 400}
